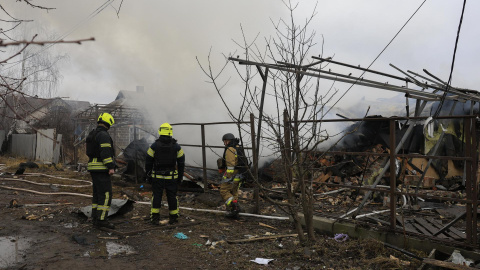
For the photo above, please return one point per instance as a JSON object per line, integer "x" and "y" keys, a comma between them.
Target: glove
{"x": 221, "y": 171}
{"x": 179, "y": 181}
{"x": 148, "y": 179}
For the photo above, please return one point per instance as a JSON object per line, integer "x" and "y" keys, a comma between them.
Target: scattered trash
{"x": 80, "y": 239}
{"x": 262, "y": 261}
{"x": 117, "y": 207}
{"x": 198, "y": 245}
{"x": 180, "y": 235}
{"x": 457, "y": 258}
{"x": 13, "y": 203}
{"x": 340, "y": 237}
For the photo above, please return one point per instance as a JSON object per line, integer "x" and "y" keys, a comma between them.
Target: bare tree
{"x": 36, "y": 75}
{"x": 288, "y": 126}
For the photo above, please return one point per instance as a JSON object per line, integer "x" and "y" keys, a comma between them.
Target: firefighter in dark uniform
{"x": 101, "y": 165}
{"x": 165, "y": 164}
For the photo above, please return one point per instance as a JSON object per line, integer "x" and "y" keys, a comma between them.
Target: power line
{"x": 439, "y": 108}
{"x": 405, "y": 24}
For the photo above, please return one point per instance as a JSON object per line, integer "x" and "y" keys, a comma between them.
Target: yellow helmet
{"x": 165, "y": 130}
{"x": 106, "y": 118}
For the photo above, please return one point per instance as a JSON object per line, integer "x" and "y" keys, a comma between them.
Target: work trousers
{"x": 229, "y": 192}
{"x": 170, "y": 187}
{"x": 102, "y": 194}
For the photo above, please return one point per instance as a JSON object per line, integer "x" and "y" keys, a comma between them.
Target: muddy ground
{"x": 45, "y": 231}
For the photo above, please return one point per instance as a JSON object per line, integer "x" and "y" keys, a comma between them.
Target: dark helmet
{"x": 228, "y": 136}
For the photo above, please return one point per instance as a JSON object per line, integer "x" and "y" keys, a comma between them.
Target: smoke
{"x": 156, "y": 44}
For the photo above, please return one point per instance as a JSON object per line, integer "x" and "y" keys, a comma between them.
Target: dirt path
{"x": 58, "y": 237}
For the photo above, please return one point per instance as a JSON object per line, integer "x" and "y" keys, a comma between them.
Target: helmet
{"x": 228, "y": 136}
{"x": 165, "y": 130}
{"x": 106, "y": 118}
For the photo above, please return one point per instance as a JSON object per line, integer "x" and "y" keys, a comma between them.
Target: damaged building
{"x": 132, "y": 132}
{"x": 38, "y": 128}
{"x": 414, "y": 173}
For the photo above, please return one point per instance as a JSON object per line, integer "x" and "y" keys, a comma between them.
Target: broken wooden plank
{"x": 407, "y": 225}
{"x": 429, "y": 227}
{"x": 266, "y": 225}
{"x": 430, "y": 256}
{"x": 449, "y": 265}
{"x": 261, "y": 238}
{"x": 421, "y": 228}
{"x": 462, "y": 215}
{"x": 452, "y": 231}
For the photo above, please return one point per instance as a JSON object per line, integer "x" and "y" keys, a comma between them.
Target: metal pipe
{"x": 354, "y": 81}
{"x": 363, "y": 69}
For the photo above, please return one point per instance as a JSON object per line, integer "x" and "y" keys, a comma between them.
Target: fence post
{"x": 256, "y": 195}
{"x": 204, "y": 159}
{"x": 474, "y": 177}
{"x": 469, "y": 230}
{"x": 393, "y": 186}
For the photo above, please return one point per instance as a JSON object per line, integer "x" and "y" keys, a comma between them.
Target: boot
{"x": 155, "y": 218}
{"x": 235, "y": 209}
{"x": 173, "y": 219}
{"x": 230, "y": 209}
{"x": 105, "y": 224}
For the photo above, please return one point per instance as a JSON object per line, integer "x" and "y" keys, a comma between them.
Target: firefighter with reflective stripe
{"x": 165, "y": 164}
{"x": 101, "y": 165}
{"x": 232, "y": 177}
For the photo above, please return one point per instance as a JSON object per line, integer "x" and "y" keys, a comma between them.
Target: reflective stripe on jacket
{"x": 104, "y": 157}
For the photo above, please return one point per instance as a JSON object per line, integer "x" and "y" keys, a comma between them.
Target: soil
{"x": 42, "y": 231}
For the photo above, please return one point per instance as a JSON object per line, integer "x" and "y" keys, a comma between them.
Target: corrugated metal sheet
{"x": 23, "y": 145}
{"x": 56, "y": 150}
{"x": 44, "y": 150}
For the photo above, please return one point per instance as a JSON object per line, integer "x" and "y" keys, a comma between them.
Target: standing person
{"x": 165, "y": 164}
{"x": 101, "y": 165}
{"x": 233, "y": 174}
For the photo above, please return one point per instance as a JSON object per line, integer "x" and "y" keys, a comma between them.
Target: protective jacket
{"x": 100, "y": 151}
{"x": 230, "y": 161}
{"x": 165, "y": 159}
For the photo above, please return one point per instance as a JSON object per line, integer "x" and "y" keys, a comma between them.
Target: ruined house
{"x": 27, "y": 121}
{"x": 130, "y": 133}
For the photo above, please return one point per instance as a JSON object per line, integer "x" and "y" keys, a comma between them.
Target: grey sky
{"x": 154, "y": 43}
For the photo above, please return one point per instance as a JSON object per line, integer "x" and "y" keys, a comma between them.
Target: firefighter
{"x": 101, "y": 165}
{"x": 165, "y": 164}
{"x": 232, "y": 176}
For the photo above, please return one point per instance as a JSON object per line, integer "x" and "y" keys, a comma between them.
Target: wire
{"x": 405, "y": 24}
{"x": 442, "y": 101}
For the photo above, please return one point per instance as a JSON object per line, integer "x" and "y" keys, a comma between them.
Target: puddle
{"x": 109, "y": 249}
{"x": 12, "y": 250}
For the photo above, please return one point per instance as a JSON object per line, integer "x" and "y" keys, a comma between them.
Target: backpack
{"x": 165, "y": 157}
{"x": 243, "y": 163}
{"x": 91, "y": 144}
